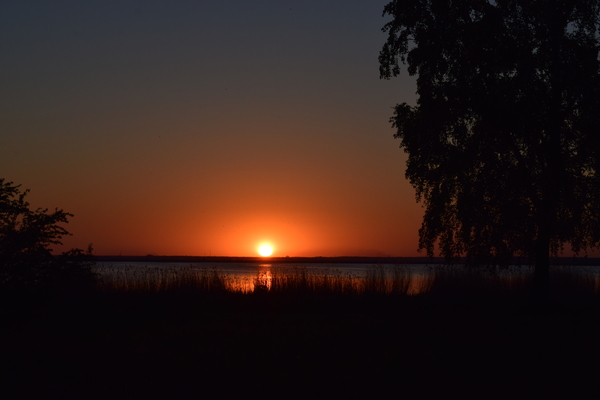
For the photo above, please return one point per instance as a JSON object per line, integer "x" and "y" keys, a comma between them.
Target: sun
{"x": 265, "y": 250}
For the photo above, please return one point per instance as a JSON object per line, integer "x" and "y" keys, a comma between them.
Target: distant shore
{"x": 323, "y": 260}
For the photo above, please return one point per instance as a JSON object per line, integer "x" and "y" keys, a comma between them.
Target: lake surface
{"x": 250, "y": 268}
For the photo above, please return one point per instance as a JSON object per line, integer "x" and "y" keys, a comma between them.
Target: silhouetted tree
{"x": 26, "y": 260}
{"x": 504, "y": 142}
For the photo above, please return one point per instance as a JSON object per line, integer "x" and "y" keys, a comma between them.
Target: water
{"x": 251, "y": 268}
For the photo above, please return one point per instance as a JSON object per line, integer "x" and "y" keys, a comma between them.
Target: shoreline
{"x": 566, "y": 261}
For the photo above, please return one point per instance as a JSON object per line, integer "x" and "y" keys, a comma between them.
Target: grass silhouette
{"x": 189, "y": 333}
{"x": 443, "y": 282}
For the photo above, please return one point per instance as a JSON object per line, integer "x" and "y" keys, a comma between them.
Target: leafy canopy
{"x": 504, "y": 142}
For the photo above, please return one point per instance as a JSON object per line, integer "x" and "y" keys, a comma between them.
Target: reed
{"x": 303, "y": 280}
{"x": 167, "y": 279}
{"x": 438, "y": 281}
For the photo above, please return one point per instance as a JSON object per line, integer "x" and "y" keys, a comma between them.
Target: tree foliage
{"x": 26, "y": 237}
{"x": 504, "y": 141}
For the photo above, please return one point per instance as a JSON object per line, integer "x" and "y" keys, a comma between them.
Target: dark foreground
{"x": 180, "y": 344}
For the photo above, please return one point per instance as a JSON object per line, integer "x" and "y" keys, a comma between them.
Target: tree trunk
{"x": 541, "y": 275}
{"x": 553, "y": 167}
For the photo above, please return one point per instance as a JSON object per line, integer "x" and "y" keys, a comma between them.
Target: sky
{"x": 208, "y": 127}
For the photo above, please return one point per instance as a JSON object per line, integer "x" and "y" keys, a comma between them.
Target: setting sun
{"x": 265, "y": 250}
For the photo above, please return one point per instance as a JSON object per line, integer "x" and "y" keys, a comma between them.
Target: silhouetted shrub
{"x": 26, "y": 236}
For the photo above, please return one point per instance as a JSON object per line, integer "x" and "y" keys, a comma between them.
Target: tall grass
{"x": 312, "y": 280}
{"x": 277, "y": 279}
{"x": 326, "y": 281}
{"x": 167, "y": 279}
{"x": 437, "y": 281}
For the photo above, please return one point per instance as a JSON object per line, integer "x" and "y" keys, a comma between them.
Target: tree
{"x": 504, "y": 142}
{"x": 26, "y": 237}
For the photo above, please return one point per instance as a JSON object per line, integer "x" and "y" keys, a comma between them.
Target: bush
{"x": 26, "y": 237}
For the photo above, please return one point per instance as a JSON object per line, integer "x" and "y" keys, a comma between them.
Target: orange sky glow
{"x": 201, "y": 128}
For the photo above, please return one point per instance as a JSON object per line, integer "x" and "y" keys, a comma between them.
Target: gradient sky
{"x": 207, "y": 127}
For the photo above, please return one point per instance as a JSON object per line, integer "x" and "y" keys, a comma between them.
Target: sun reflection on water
{"x": 263, "y": 280}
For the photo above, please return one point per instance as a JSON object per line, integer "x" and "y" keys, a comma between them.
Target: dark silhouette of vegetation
{"x": 26, "y": 236}
{"x": 504, "y": 142}
{"x": 154, "y": 335}
{"x": 445, "y": 284}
